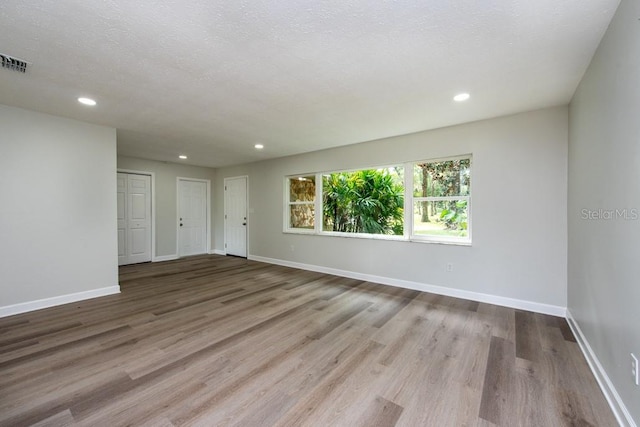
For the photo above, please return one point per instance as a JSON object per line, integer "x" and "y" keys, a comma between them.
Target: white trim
{"x": 24, "y": 307}
{"x": 439, "y": 198}
{"x": 217, "y": 252}
{"x": 307, "y": 231}
{"x": 165, "y": 258}
{"x": 302, "y": 203}
{"x": 608, "y": 389}
{"x": 408, "y": 219}
{"x": 537, "y": 307}
{"x": 153, "y": 205}
{"x": 441, "y": 240}
{"x": 208, "y": 233}
{"x": 392, "y": 237}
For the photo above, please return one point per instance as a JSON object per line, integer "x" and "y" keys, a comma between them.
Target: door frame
{"x": 153, "y": 205}
{"x": 224, "y": 211}
{"x": 208, "y": 196}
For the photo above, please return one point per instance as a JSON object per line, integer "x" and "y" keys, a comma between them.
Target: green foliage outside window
{"x": 441, "y": 190}
{"x": 367, "y": 201}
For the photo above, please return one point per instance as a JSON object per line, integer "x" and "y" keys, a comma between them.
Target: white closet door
{"x": 134, "y": 218}
{"x": 122, "y": 218}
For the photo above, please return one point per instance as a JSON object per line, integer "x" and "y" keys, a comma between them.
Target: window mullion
{"x": 319, "y": 219}
{"x": 408, "y": 200}
{"x": 286, "y": 220}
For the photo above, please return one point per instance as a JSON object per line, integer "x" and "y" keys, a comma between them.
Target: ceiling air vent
{"x": 14, "y": 64}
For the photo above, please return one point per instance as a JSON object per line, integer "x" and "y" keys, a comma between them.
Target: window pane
{"x": 443, "y": 218}
{"x": 302, "y": 216}
{"x": 437, "y": 179}
{"x": 302, "y": 189}
{"x": 367, "y": 201}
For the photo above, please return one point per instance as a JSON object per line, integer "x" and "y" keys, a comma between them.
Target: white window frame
{"x": 409, "y": 199}
{"x": 288, "y": 203}
{"x": 412, "y": 200}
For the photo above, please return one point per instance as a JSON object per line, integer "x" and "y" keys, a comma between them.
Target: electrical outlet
{"x": 449, "y": 267}
{"x": 634, "y": 369}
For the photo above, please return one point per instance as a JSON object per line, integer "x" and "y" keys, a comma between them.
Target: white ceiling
{"x": 212, "y": 78}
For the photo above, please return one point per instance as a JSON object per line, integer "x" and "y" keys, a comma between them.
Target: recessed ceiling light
{"x": 259, "y": 146}
{"x": 461, "y": 97}
{"x": 87, "y": 101}
{"x": 182, "y": 156}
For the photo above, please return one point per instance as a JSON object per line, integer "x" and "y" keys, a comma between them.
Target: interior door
{"x": 122, "y": 219}
{"x": 134, "y": 218}
{"x": 192, "y": 217}
{"x": 235, "y": 207}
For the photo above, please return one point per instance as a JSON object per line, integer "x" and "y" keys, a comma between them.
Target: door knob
{"x": 244, "y": 223}
{"x": 180, "y": 224}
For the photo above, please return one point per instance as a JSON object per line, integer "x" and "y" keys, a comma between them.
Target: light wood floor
{"x": 216, "y": 341}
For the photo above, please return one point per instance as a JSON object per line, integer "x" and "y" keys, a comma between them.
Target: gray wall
{"x": 58, "y": 210}
{"x": 166, "y": 175}
{"x": 519, "y": 203}
{"x": 604, "y": 173}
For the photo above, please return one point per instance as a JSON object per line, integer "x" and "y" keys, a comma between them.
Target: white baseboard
{"x": 173, "y": 257}
{"x": 608, "y": 389}
{"x": 434, "y": 289}
{"x": 165, "y": 258}
{"x": 24, "y": 307}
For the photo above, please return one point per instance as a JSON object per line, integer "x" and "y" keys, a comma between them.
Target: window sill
{"x": 392, "y": 238}
{"x": 299, "y": 231}
{"x": 442, "y": 242}
{"x": 363, "y": 236}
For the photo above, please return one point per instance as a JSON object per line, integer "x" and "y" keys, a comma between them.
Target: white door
{"x": 134, "y": 218}
{"x": 235, "y": 216}
{"x": 122, "y": 219}
{"x": 192, "y": 217}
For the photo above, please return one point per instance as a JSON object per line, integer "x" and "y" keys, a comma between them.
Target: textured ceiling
{"x": 211, "y": 79}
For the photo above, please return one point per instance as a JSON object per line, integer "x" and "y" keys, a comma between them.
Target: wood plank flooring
{"x": 222, "y": 341}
